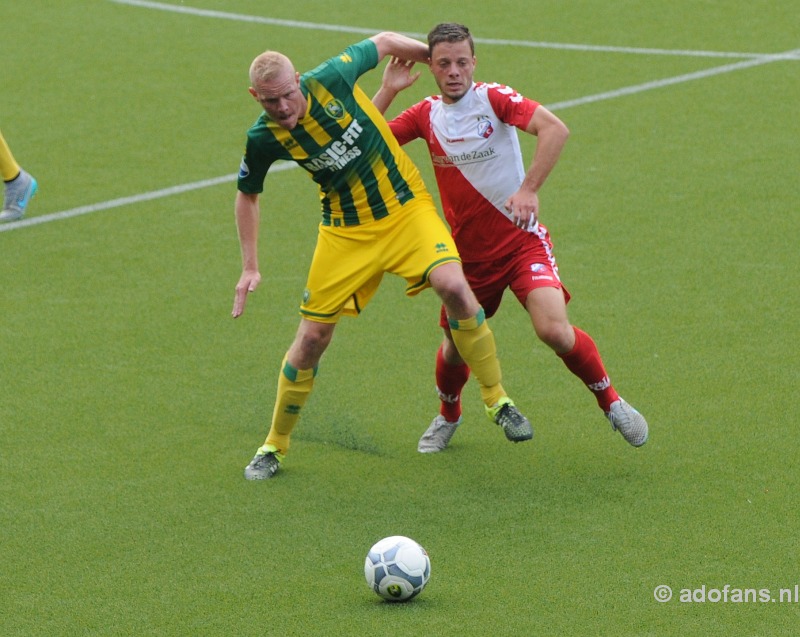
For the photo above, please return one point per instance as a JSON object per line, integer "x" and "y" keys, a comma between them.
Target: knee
{"x": 449, "y": 283}
{"x": 309, "y": 345}
{"x": 452, "y": 290}
{"x": 558, "y": 336}
{"x": 314, "y": 342}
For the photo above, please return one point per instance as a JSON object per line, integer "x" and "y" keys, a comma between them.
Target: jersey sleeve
{"x": 511, "y": 107}
{"x": 349, "y": 65}
{"x": 255, "y": 162}
{"x": 409, "y": 124}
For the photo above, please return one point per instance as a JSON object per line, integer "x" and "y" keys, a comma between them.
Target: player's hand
{"x": 248, "y": 282}
{"x": 523, "y": 206}
{"x": 398, "y": 76}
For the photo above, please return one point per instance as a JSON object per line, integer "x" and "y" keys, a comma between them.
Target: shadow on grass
{"x": 341, "y": 434}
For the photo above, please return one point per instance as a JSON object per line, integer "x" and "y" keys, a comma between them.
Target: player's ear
{"x": 252, "y": 92}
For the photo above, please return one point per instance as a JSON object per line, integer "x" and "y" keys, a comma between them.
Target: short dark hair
{"x": 449, "y": 32}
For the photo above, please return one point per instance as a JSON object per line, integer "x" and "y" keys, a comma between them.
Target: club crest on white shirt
{"x": 485, "y": 128}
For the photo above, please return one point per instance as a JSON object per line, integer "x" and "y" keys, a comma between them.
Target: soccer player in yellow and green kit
{"x": 377, "y": 217}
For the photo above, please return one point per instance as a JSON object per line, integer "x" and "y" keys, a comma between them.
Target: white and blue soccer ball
{"x": 397, "y": 568}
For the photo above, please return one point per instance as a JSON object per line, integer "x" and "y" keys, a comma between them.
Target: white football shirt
{"x": 476, "y": 157}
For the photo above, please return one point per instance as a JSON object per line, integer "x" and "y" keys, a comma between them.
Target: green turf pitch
{"x": 131, "y": 401}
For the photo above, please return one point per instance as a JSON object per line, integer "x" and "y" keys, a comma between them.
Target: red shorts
{"x": 531, "y": 265}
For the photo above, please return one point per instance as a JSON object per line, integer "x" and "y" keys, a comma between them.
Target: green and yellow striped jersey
{"x": 342, "y": 141}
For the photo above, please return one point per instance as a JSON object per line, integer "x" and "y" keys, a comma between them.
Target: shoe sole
{"x": 521, "y": 438}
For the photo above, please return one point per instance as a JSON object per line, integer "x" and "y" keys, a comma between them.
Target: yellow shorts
{"x": 349, "y": 261}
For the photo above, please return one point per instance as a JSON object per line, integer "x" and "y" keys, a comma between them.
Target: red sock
{"x": 584, "y": 361}
{"x": 450, "y": 380}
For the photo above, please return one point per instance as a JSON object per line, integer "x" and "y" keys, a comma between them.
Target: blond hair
{"x": 269, "y": 66}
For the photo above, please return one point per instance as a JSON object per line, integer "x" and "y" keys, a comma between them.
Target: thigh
{"x": 415, "y": 243}
{"x": 547, "y": 306}
{"x": 343, "y": 275}
{"x": 534, "y": 266}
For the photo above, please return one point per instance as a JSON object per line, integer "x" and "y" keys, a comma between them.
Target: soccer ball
{"x": 397, "y": 568}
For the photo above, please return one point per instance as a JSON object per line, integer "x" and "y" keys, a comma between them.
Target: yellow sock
{"x": 9, "y": 168}
{"x": 294, "y": 387}
{"x": 475, "y": 342}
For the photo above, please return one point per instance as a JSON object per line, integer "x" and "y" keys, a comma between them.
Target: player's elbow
{"x": 563, "y": 131}
{"x": 401, "y": 46}
{"x": 383, "y": 42}
{"x": 559, "y": 128}
{"x": 556, "y": 130}
{"x": 384, "y": 35}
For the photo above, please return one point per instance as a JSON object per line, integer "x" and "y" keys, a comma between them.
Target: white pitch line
{"x": 316, "y": 26}
{"x": 133, "y": 199}
{"x": 670, "y": 81}
{"x": 174, "y": 190}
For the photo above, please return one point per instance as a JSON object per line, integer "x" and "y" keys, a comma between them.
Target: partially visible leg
{"x": 452, "y": 374}
{"x": 9, "y": 168}
{"x": 470, "y": 332}
{"x": 19, "y": 185}
{"x": 548, "y": 311}
{"x": 424, "y": 254}
{"x": 295, "y": 382}
{"x": 475, "y": 343}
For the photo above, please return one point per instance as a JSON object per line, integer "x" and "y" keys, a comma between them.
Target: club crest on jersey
{"x": 485, "y": 128}
{"x": 335, "y": 109}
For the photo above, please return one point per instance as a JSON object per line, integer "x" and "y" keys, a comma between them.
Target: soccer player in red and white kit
{"x": 492, "y": 205}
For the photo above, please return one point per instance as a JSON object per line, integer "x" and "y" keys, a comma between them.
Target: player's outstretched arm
{"x": 400, "y": 46}
{"x": 247, "y": 219}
